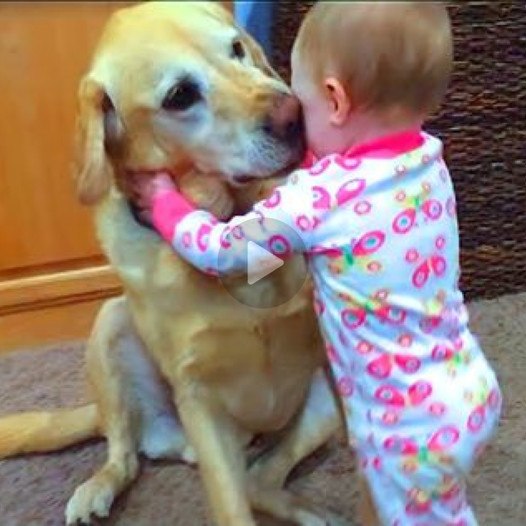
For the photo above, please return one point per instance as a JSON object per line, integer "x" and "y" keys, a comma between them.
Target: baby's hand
{"x": 148, "y": 187}
{"x": 144, "y": 188}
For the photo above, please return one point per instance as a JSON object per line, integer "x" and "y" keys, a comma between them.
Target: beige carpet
{"x": 34, "y": 490}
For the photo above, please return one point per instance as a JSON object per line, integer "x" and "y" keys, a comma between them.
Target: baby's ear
{"x": 339, "y": 101}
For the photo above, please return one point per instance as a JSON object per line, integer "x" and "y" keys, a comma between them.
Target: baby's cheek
{"x": 317, "y": 133}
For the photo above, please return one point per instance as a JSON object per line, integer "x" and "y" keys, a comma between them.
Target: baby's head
{"x": 355, "y": 64}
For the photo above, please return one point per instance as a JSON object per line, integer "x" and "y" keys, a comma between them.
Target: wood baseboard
{"x": 53, "y": 308}
{"x": 35, "y": 329}
{"x": 61, "y": 288}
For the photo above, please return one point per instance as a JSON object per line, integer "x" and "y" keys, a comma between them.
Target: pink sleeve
{"x": 169, "y": 209}
{"x": 198, "y": 237}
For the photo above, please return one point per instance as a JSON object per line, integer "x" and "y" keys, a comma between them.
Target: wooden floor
{"x": 41, "y": 327}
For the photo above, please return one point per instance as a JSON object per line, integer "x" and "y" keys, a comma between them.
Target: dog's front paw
{"x": 208, "y": 192}
{"x": 92, "y": 498}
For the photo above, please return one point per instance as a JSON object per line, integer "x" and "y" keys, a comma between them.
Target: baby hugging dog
{"x": 186, "y": 125}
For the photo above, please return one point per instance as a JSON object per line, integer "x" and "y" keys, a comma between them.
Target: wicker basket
{"x": 482, "y": 126}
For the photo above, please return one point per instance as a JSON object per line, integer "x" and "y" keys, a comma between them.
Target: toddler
{"x": 375, "y": 210}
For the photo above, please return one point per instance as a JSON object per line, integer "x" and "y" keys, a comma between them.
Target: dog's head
{"x": 178, "y": 85}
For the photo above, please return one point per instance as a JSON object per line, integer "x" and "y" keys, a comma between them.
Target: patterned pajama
{"x": 379, "y": 227}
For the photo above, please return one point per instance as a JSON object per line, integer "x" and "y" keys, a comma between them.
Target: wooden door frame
{"x": 57, "y": 303}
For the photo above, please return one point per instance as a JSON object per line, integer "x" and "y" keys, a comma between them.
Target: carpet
{"x": 34, "y": 489}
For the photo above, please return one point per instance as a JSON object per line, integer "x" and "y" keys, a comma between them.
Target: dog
{"x": 178, "y": 367}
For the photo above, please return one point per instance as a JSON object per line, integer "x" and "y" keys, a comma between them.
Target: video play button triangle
{"x": 260, "y": 263}
{"x": 263, "y": 249}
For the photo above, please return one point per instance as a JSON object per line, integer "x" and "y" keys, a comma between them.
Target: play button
{"x": 274, "y": 273}
{"x": 260, "y": 263}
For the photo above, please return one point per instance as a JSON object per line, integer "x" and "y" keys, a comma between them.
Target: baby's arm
{"x": 222, "y": 248}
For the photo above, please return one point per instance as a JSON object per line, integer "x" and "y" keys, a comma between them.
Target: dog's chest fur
{"x": 148, "y": 265}
{"x": 188, "y": 320}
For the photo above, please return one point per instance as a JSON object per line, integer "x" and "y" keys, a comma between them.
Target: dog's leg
{"x": 220, "y": 457}
{"x": 368, "y": 515}
{"x": 112, "y": 334}
{"x": 319, "y": 420}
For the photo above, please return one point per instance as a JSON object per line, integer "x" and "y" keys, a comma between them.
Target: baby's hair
{"x": 388, "y": 55}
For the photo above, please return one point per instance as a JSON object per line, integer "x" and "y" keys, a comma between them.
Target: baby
{"x": 375, "y": 212}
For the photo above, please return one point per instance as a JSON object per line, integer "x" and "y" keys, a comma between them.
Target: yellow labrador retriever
{"x": 180, "y": 368}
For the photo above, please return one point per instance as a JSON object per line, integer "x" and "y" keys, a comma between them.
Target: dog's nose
{"x": 285, "y": 119}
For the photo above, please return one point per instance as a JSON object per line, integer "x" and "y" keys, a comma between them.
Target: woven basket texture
{"x": 482, "y": 125}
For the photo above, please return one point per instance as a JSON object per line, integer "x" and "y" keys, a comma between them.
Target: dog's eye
{"x": 182, "y": 96}
{"x": 238, "y": 50}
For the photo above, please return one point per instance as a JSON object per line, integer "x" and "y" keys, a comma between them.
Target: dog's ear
{"x": 253, "y": 48}
{"x": 93, "y": 168}
{"x": 258, "y": 56}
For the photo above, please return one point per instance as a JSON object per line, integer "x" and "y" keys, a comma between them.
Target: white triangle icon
{"x": 260, "y": 262}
